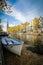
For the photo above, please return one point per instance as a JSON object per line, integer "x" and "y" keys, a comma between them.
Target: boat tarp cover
{"x": 10, "y": 41}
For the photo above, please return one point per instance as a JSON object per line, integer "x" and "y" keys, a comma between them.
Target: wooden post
{"x": 1, "y": 55}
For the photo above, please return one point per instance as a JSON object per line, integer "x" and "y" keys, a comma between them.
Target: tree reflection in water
{"x": 38, "y": 46}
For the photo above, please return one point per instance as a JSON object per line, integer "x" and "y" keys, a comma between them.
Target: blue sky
{"x": 23, "y": 10}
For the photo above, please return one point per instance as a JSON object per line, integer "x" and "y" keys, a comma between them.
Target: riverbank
{"x": 27, "y": 57}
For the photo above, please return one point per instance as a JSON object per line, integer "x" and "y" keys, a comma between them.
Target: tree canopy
{"x": 36, "y": 23}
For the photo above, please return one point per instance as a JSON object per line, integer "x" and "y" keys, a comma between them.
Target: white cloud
{"x": 22, "y": 17}
{"x": 16, "y": 14}
{"x": 31, "y": 14}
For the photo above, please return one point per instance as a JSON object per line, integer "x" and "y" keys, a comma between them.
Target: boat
{"x": 12, "y": 44}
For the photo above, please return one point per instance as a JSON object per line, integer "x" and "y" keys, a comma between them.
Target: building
{"x": 41, "y": 23}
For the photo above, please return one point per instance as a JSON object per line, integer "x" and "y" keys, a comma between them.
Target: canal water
{"x": 31, "y": 39}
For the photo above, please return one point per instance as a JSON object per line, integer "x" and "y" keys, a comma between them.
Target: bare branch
{"x": 4, "y": 6}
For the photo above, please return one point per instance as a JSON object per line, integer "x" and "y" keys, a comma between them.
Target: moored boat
{"x": 12, "y": 44}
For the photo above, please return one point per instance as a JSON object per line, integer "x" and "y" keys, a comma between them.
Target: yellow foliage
{"x": 18, "y": 27}
{"x": 36, "y": 23}
{"x": 25, "y": 25}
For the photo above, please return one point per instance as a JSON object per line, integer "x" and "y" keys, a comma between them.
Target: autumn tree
{"x": 36, "y": 23}
{"x": 25, "y": 25}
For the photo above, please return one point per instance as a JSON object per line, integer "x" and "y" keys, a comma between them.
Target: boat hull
{"x": 15, "y": 49}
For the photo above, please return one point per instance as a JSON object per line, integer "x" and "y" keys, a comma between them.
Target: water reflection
{"x": 31, "y": 39}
